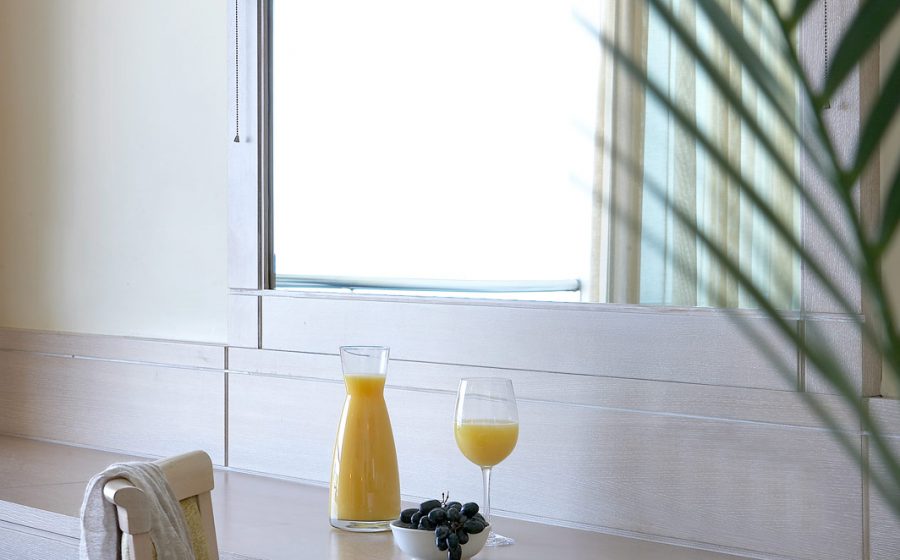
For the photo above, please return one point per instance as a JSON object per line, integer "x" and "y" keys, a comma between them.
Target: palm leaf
{"x": 776, "y": 99}
{"x": 749, "y": 117}
{"x": 872, "y": 18}
{"x": 721, "y": 159}
{"x": 878, "y": 121}
{"x": 781, "y": 99}
{"x": 863, "y": 255}
{"x": 822, "y": 357}
{"x": 868, "y": 268}
{"x": 841, "y": 184}
{"x": 800, "y": 8}
{"x": 891, "y": 216}
{"x": 684, "y": 120}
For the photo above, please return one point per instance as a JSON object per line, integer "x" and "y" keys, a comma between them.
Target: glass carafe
{"x": 365, "y": 484}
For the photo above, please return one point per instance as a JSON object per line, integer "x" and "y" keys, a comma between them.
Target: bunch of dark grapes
{"x": 452, "y": 523}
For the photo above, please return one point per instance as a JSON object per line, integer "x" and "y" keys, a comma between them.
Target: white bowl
{"x": 419, "y": 543}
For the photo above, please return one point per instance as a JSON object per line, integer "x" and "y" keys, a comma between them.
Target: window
{"x": 448, "y": 146}
{"x": 585, "y": 338}
{"x": 452, "y": 149}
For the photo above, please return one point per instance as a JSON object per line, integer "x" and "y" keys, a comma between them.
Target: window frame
{"x": 658, "y": 343}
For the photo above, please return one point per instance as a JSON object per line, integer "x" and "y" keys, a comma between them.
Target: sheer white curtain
{"x": 643, "y": 253}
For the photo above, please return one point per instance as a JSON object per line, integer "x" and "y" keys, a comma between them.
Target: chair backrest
{"x": 191, "y": 478}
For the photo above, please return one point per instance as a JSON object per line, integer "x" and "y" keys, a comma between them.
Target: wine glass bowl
{"x": 486, "y": 427}
{"x": 486, "y": 442}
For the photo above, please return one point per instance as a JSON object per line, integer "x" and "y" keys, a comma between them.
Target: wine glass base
{"x": 498, "y": 540}
{"x": 361, "y": 526}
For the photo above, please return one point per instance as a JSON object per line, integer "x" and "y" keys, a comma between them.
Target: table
{"x": 42, "y": 483}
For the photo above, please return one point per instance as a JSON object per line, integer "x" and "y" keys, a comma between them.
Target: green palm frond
{"x": 891, "y": 215}
{"x": 861, "y": 250}
{"x": 864, "y": 32}
{"x": 877, "y": 124}
{"x": 703, "y": 139}
{"x": 796, "y": 15}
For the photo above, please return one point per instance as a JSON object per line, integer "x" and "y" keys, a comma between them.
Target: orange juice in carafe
{"x": 365, "y": 484}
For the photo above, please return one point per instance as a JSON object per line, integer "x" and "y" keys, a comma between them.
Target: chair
{"x": 191, "y": 477}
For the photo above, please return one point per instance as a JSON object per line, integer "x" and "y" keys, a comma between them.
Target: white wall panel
{"x": 22, "y": 543}
{"x": 736, "y": 403}
{"x": 701, "y": 347}
{"x": 843, "y": 339}
{"x": 283, "y": 426}
{"x": 168, "y": 352}
{"x": 884, "y": 524}
{"x": 142, "y": 409}
{"x": 741, "y": 468}
{"x": 744, "y": 485}
{"x": 243, "y": 321}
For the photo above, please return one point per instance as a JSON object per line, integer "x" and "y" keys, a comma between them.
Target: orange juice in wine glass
{"x": 486, "y": 442}
{"x": 486, "y": 429}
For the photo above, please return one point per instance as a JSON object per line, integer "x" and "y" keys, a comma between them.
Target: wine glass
{"x": 486, "y": 427}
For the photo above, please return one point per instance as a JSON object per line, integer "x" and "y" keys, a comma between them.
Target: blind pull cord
{"x": 237, "y": 102}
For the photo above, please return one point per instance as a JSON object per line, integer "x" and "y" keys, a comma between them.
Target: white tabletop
{"x": 273, "y": 519}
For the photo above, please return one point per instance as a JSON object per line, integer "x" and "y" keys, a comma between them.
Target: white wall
{"x": 890, "y": 157}
{"x": 112, "y": 167}
{"x": 113, "y": 130}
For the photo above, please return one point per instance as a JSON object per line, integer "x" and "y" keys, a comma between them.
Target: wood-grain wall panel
{"x": 736, "y": 403}
{"x": 187, "y": 354}
{"x": 137, "y": 408}
{"x": 754, "y": 487}
{"x": 743, "y": 468}
{"x": 884, "y": 523}
{"x": 283, "y": 426}
{"x": 243, "y": 321}
{"x": 844, "y": 340}
{"x": 707, "y": 348}
{"x": 22, "y": 543}
{"x": 744, "y": 485}
{"x": 48, "y": 520}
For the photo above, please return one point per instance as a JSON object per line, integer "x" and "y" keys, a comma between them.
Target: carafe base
{"x": 362, "y": 526}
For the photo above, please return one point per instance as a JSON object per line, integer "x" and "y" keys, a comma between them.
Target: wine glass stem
{"x": 486, "y": 510}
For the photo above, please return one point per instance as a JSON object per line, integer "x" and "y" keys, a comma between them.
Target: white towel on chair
{"x": 99, "y": 528}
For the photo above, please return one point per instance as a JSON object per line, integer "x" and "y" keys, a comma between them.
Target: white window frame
{"x": 693, "y": 345}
